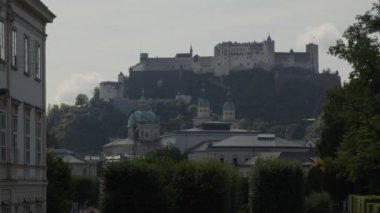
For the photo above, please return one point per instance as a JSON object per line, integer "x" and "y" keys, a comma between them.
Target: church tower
{"x": 203, "y": 109}
{"x": 229, "y": 109}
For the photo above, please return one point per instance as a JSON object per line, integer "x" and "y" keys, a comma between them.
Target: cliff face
{"x": 283, "y": 95}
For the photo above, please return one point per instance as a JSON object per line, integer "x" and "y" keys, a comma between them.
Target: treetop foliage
{"x": 275, "y": 186}
{"x": 350, "y": 142}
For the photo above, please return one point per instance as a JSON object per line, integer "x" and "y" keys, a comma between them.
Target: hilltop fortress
{"x": 232, "y": 56}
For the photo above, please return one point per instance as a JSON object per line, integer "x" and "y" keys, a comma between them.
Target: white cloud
{"x": 324, "y": 35}
{"x": 78, "y": 83}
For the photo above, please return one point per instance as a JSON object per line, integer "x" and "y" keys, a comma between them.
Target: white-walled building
{"x": 23, "y": 180}
{"x": 233, "y": 56}
{"x": 109, "y": 90}
{"x": 143, "y": 133}
{"x": 242, "y": 151}
{"x": 78, "y": 165}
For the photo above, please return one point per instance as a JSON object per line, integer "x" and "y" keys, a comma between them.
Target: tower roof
{"x": 142, "y": 103}
{"x": 228, "y": 105}
{"x": 142, "y": 117}
{"x": 269, "y": 38}
{"x": 203, "y": 101}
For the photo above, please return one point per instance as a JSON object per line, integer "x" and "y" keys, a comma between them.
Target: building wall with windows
{"x": 233, "y": 56}
{"x": 22, "y": 105}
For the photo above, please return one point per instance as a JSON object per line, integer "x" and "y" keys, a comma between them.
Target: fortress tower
{"x": 312, "y": 49}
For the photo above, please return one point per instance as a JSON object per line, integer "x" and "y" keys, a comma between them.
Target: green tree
{"x": 59, "y": 189}
{"x": 170, "y": 152}
{"x": 135, "y": 186}
{"x": 245, "y": 123}
{"x": 86, "y": 191}
{"x": 318, "y": 200}
{"x": 206, "y": 186}
{"x": 350, "y": 141}
{"x": 276, "y": 186}
{"x": 81, "y": 100}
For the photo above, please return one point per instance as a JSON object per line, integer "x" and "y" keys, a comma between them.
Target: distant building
{"x": 187, "y": 139}
{"x": 232, "y": 56}
{"x": 109, "y": 90}
{"x": 204, "y": 111}
{"x": 143, "y": 132}
{"x": 243, "y": 150}
{"x": 78, "y": 165}
{"x": 23, "y": 36}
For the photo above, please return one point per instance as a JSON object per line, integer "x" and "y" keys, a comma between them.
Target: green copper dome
{"x": 142, "y": 117}
{"x": 228, "y": 106}
{"x": 203, "y": 102}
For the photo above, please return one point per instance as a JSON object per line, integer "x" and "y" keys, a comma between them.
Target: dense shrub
{"x": 135, "y": 186}
{"x": 86, "y": 190}
{"x": 206, "y": 186}
{"x": 59, "y": 189}
{"x": 276, "y": 186}
{"x": 318, "y": 200}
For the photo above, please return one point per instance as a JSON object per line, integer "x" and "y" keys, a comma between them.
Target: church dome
{"x": 142, "y": 117}
{"x": 143, "y": 114}
{"x": 228, "y": 106}
{"x": 203, "y": 102}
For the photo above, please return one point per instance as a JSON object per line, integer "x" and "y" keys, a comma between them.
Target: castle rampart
{"x": 232, "y": 56}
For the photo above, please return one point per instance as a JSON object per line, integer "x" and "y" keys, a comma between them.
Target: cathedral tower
{"x": 229, "y": 109}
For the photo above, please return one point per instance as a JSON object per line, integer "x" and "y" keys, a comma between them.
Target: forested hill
{"x": 267, "y": 101}
{"x": 282, "y": 95}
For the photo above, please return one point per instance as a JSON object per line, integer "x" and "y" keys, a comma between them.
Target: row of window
{"x": 23, "y": 209}
{"x": 28, "y": 44}
{"x": 15, "y": 139}
{"x": 235, "y": 160}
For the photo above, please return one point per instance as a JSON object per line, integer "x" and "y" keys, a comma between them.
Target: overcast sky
{"x": 94, "y": 40}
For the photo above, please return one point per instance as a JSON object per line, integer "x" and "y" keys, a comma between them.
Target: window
{"x": 6, "y": 209}
{"x": 26, "y": 55}
{"x": 27, "y": 135}
{"x": 14, "y": 48}
{"x": 84, "y": 172}
{"x": 38, "y": 138}
{"x": 2, "y": 41}
{"x": 38, "y": 62}
{"x": 27, "y": 209}
{"x": 14, "y": 132}
{"x": 38, "y": 208}
{"x": 2, "y": 133}
{"x": 235, "y": 161}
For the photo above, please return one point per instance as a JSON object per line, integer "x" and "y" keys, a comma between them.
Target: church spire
{"x": 191, "y": 49}
{"x": 203, "y": 104}
{"x": 143, "y": 104}
{"x": 228, "y": 108}
{"x": 269, "y": 38}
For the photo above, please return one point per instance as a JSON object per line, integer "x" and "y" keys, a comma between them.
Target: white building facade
{"x": 23, "y": 180}
{"x": 233, "y": 56}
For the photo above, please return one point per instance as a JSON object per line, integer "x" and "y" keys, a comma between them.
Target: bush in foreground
{"x": 206, "y": 186}
{"x": 135, "y": 186}
{"x": 276, "y": 186}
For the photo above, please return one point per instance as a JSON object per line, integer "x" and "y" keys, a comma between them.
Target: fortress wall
{"x": 203, "y": 64}
{"x": 163, "y": 64}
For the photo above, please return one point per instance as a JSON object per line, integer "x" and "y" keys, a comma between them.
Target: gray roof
{"x": 254, "y": 141}
{"x": 119, "y": 142}
{"x": 304, "y": 158}
{"x": 68, "y": 156}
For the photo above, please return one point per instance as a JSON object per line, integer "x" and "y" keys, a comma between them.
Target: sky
{"x": 94, "y": 40}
